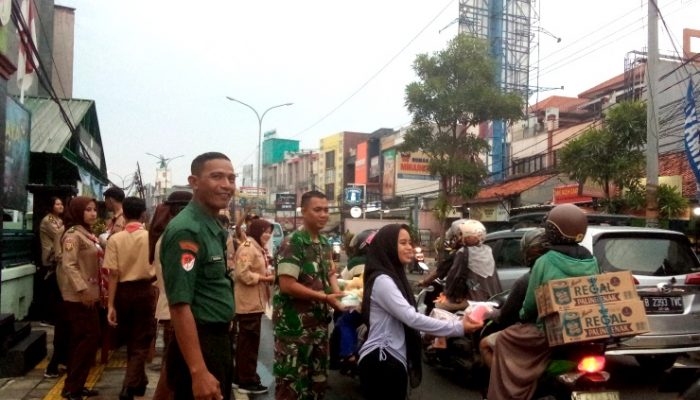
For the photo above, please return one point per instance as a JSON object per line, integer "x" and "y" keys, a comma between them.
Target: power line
{"x": 371, "y": 78}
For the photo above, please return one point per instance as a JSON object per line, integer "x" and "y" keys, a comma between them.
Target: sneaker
{"x": 235, "y": 385}
{"x": 50, "y": 373}
{"x": 252, "y": 389}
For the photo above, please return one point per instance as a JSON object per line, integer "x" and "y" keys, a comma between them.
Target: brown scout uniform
{"x": 50, "y": 232}
{"x": 79, "y": 272}
{"x": 251, "y": 296}
{"x": 134, "y": 300}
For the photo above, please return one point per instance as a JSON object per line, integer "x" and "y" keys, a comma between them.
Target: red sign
{"x": 569, "y": 194}
{"x": 361, "y": 164}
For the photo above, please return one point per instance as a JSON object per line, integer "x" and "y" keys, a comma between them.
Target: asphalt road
{"x": 632, "y": 381}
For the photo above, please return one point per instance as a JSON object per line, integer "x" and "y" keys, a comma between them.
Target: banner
{"x": 389, "y": 178}
{"x": 692, "y": 132}
{"x": 17, "y": 134}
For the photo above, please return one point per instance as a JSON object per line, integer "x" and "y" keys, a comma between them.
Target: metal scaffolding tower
{"x": 506, "y": 24}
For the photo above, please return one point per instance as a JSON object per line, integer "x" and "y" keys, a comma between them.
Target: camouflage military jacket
{"x": 309, "y": 262}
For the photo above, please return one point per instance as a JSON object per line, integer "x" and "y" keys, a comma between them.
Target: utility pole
{"x": 652, "y": 209}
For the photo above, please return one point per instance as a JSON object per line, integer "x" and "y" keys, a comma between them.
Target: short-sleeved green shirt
{"x": 193, "y": 256}
{"x": 309, "y": 262}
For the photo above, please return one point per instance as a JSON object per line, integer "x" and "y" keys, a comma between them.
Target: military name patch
{"x": 187, "y": 261}
{"x": 189, "y": 246}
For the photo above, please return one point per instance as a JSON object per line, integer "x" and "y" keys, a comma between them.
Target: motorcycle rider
{"x": 532, "y": 245}
{"x": 452, "y": 243}
{"x": 357, "y": 254}
{"x": 344, "y": 340}
{"x": 473, "y": 273}
{"x": 521, "y": 352}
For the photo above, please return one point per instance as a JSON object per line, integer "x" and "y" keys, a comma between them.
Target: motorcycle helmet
{"x": 532, "y": 245}
{"x": 360, "y": 242}
{"x": 472, "y": 228}
{"x": 565, "y": 224}
{"x": 453, "y": 236}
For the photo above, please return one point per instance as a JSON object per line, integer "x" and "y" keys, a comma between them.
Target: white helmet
{"x": 472, "y": 228}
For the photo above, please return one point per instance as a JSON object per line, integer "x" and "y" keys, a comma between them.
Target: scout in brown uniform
{"x": 251, "y": 292}
{"x": 132, "y": 296}
{"x": 114, "y": 197}
{"x": 78, "y": 280}
{"x": 48, "y": 296}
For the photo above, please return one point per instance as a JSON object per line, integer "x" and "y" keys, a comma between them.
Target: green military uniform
{"x": 193, "y": 256}
{"x": 301, "y": 326}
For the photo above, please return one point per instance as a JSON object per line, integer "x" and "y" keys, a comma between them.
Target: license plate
{"x": 613, "y": 395}
{"x": 663, "y": 305}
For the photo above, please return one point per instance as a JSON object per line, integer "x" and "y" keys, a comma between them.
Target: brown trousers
{"x": 84, "y": 325}
{"x": 135, "y": 303}
{"x": 247, "y": 345}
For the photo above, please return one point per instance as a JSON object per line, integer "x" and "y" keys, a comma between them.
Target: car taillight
{"x": 592, "y": 364}
{"x": 692, "y": 279}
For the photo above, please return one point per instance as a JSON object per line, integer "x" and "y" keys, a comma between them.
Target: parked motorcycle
{"x": 418, "y": 265}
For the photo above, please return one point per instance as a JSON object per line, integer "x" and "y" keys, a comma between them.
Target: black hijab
{"x": 383, "y": 259}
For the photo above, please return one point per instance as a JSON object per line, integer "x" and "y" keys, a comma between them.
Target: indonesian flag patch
{"x": 187, "y": 261}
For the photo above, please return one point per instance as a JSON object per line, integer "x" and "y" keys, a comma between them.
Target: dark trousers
{"x": 383, "y": 377}
{"x": 163, "y": 392}
{"x": 46, "y": 295}
{"x": 135, "y": 302}
{"x": 248, "y": 341}
{"x": 84, "y": 323}
{"x": 215, "y": 343}
{"x": 61, "y": 338}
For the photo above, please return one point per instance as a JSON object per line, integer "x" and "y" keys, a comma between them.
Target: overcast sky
{"x": 160, "y": 71}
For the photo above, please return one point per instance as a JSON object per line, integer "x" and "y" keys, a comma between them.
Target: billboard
{"x": 374, "y": 167}
{"x": 361, "y": 164}
{"x": 285, "y": 201}
{"x": 389, "y": 177}
{"x": 17, "y": 129}
{"x": 414, "y": 165}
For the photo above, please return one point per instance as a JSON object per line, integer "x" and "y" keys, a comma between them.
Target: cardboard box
{"x": 563, "y": 294}
{"x": 600, "y": 321}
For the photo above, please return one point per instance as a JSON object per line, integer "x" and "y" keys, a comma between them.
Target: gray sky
{"x": 160, "y": 70}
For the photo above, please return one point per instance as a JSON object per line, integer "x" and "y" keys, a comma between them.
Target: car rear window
{"x": 659, "y": 255}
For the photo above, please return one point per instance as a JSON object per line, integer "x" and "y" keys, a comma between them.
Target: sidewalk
{"x": 107, "y": 378}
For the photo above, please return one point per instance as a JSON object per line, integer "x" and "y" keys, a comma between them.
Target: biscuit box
{"x": 599, "y": 321}
{"x": 562, "y": 294}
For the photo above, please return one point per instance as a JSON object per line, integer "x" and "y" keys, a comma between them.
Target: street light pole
{"x": 260, "y": 119}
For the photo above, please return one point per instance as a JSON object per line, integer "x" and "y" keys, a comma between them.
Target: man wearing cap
{"x": 199, "y": 290}
{"x": 132, "y": 297}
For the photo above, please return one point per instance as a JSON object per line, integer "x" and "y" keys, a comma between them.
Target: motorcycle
{"x": 575, "y": 371}
{"x": 418, "y": 264}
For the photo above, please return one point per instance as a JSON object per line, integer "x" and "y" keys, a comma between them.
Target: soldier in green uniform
{"x": 306, "y": 289}
{"x": 199, "y": 291}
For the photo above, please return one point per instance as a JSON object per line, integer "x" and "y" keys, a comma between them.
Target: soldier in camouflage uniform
{"x": 306, "y": 291}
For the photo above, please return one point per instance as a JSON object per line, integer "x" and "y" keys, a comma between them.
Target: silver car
{"x": 667, "y": 274}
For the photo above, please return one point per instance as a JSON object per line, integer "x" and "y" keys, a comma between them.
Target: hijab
{"x": 162, "y": 216}
{"x": 383, "y": 259}
{"x": 75, "y": 214}
{"x": 256, "y": 229}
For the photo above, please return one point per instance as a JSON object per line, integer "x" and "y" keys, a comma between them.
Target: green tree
{"x": 610, "y": 153}
{"x": 455, "y": 90}
{"x": 671, "y": 202}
